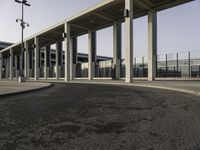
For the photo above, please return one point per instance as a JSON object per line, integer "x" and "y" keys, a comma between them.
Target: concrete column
{"x": 18, "y": 64}
{"x": 91, "y": 54}
{"x": 152, "y": 44}
{"x": 117, "y": 44}
{"x": 36, "y": 51}
{"x": 7, "y": 66}
{"x": 1, "y": 66}
{"x": 61, "y": 58}
{"x": 73, "y": 57}
{"x": 39, "y": 61}
{"x": 26, "y": 61}
{"x": 129, "y": 40}
{"x": 46, "y": 61}
{"x": 25, "y": 64}
{"x": 11, "y": 64}
{"x": 31, "y": 63}
{"x": 16, "y": 69}
{"x": 58, "y": 59}
{"x": 67, "y": 52}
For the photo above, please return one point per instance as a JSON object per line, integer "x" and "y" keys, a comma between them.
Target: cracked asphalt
{"x": 100, "y": 117}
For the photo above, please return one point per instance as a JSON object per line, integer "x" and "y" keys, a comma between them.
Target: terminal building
{"x": 41, "y": 62}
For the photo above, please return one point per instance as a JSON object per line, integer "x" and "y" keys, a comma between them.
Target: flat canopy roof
{"x": 4, "y": 45}
{"x": 100, "y": 16}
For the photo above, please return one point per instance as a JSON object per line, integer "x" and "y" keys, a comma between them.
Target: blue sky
{"x": 178, "y": 28}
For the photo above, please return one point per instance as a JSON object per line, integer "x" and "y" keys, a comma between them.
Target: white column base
{"x": 91, "y": 74}
{"x": 117, "y": 71}
{"x": 58, "y": 73}
{"x": 46, "y": 75}
{"x": 21, "y": 79}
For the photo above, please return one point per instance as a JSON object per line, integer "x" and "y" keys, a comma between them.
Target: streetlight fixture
{"x": 23, "y": 25}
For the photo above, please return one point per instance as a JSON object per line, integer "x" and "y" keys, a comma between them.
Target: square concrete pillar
{"x": 67, "y": 51}
{"x": 36, "y": 51}
{"x": 1, "y": 65}
{"x": 73, "y": 57}
{"x": 117, "y": 45}
{"x": 91, "y": 54}
{"x": 11, "y": 64}
{"x": 24, "y": 58}
{"x": 16, "y": 69}
{"x": 129, "y": 40}
{"x": 18, "y": 65}
{"x": 7, "y": 66}
{"x": 47, "y": 61}
{"x": 152, "y": 44}
{"x": 26, "y": 61}
{"x": 59, "y": 48}
{"x": 31, "y": 64}
{"x": 39, "y": 62}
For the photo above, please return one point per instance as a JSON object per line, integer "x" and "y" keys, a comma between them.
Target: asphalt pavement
{"x": 100, "y": 117}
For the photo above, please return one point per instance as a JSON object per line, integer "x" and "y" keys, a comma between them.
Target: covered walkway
{"x": 64, "y": 35}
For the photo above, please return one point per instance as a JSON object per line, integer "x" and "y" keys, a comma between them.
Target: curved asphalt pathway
{"x": 100, "y": 117}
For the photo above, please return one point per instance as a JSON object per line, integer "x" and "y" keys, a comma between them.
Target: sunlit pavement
{"x": 13, "y": 87}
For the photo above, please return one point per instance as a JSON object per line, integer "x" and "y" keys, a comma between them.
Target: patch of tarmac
{"x": 100, "y": 117}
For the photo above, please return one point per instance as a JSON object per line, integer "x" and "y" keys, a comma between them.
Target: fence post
{"x": 142, "y": 66}
{"x": 189, "y": 69}
{"x": 156, "y": 66}
{"x": 177, "y": 65}
{"x": 166, "y": 65}
{"x": 135, "y": 71}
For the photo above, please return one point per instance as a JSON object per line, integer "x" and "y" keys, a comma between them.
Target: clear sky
{"x": 178, "y": 28}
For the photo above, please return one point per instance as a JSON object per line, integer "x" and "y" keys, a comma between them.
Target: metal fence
{"x": 103, "y": 69}
{"x": 183, "y": 65}
{"x": 140, "y": 68}
{"x": 180, "y": 65}
{"x": 82, "y": 70}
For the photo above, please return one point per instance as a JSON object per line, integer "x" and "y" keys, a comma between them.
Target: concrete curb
{"x": 146, "y": 86}
{"x": 171, "y": 89}
{"x": 25, "y": 91}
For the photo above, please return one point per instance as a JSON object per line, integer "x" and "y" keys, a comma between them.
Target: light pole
{"x": 23, "y": 25}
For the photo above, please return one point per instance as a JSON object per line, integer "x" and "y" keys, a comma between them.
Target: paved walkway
{"x": 12, "y": 87}
{"x": 191, "y": 87}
